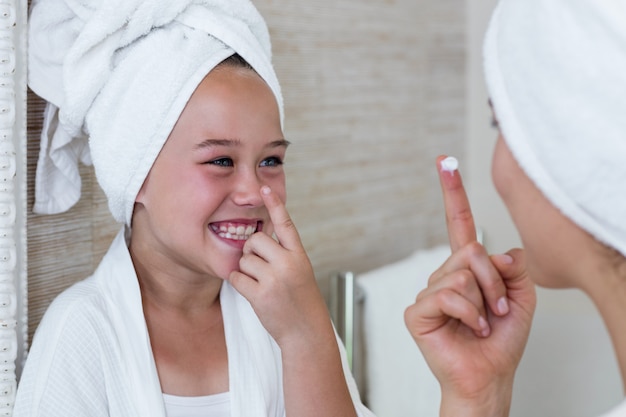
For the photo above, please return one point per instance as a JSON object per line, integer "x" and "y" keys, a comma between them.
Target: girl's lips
{"x": 237, "y": 230}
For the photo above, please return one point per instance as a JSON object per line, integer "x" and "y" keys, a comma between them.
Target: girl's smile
{"x": 235, "y": 232}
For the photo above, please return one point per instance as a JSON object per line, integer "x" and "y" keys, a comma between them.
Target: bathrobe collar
{"x": 254, "y": 359}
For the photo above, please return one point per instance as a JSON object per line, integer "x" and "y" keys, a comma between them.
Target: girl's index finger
{"x": 284, "y": 228}
{"x": 459, "y": 219}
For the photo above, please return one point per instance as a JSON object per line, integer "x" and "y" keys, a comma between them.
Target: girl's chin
{"x": 224, "y": 272}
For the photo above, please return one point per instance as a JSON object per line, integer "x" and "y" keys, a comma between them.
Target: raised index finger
{"x": 284, "y": 227}
{"x": 462, "y": 231}
{"x": 459, "y": 219}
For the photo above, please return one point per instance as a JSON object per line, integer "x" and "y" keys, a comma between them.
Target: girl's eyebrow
{"x": 278, "y": 143}
{"x": 208, "y": 143}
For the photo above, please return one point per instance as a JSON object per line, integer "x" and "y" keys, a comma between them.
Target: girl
{"x": 195, "y": 309}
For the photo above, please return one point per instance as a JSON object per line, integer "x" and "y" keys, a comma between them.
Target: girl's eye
{"x": 222, "y": 162}
{"x": 273, "y": 161}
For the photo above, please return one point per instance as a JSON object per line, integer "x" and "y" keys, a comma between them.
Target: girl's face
{"x": 551, "y": 241}
{"x": 201, "y": 199}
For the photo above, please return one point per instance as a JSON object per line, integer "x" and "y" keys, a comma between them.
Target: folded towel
{"x": 399, "y": 381}
{"x": 558, "y": 93}
{"x": 118, "y": 73}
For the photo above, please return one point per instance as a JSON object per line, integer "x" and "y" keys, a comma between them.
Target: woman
{"x": 195, "y": 309}
{"x": 554, "y": 70}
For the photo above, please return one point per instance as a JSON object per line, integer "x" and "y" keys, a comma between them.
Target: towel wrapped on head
{"x": 116, "y": 75}
{"x": 558, "y": 93}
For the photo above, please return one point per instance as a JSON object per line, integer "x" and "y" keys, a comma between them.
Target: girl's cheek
{"x": 278, "y": 186}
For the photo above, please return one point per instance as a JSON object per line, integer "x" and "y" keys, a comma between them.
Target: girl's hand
{"x": 473, "y": 320}
{"x": 278, "y": 280}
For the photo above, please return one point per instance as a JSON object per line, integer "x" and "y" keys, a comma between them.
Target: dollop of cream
{"x": 450, "y": 164}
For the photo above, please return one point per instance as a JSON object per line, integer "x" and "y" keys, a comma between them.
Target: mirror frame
{"x": 13, "y": 197}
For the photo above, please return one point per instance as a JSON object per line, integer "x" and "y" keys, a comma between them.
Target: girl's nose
{"x": 247, "y": 190}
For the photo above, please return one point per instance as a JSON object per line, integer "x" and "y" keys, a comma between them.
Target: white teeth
{"x": 234, "y": 232}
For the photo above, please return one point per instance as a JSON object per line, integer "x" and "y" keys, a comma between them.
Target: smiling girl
{"x": 206, "y": 303}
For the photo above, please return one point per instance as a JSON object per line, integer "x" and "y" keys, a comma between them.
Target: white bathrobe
{"x": 91, "y": 355}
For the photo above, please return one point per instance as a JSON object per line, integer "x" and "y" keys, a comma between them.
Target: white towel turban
{"x": 117, "y": 74}
{"x": 556, "y": 74}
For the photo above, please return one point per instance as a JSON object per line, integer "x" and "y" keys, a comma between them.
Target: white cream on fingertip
{"x": 449, "y": 164}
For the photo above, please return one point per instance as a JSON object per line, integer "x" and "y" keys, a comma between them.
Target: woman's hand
{"x": 473, "y": 320}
